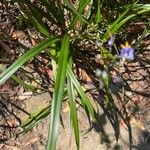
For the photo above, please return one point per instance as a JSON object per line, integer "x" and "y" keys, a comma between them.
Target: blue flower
{"x": 127, "y": 52}
{"x": 111, "y": 41}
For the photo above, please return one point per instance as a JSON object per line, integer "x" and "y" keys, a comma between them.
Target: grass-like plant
{"x": 75, "y": 21}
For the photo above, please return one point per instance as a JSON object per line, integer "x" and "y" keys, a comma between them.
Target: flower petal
{"x": 127, "y": 53}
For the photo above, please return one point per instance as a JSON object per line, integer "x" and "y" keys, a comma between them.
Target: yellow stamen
{"x": 123, "y": 46}
{"x": 127, "y": 44}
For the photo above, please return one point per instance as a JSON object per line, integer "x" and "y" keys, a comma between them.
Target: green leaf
{"x": 34, "y": 15}
{"x": 38, "y": 21}
{"x": 82, "y": 5}
{"x": 73, "y": 110}
{"x": 35, "y": 116}
{"x": 77, "y": 12}
{"x": 56, "y": 12}
{"x": 139, "y": 9}
{"x": 24, "y": 58}
{"x": 85, "y": 100}
{"x": 58, "y": 93}
{"x": 98, "y": 15}
{"x": 113, "y": 26}
{"x": 143, "y": 35}
{"x": 26, "y": 85}
{"x": 18, "y": 80}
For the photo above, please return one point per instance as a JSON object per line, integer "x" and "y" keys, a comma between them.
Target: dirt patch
{"x": 97, "y": 136}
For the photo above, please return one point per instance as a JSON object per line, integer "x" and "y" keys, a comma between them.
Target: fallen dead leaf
{"x": 134, "y": 123}
{"x": 12, "y": 122}
{"x": 67, "y": 108}
{"x": 33, "y": 41}
{"x": 85, "y": 77}
{"x": 32, "y": 141}
{"x": 11, "y": 31}
{"x": 1, "y": 146}
{"x": 25, "y": 95}
{"x": 7, "y": 87}
{"x": 18, "y": 34}
{"x": 35, "y": 84}
{"x": 11, "y": 147}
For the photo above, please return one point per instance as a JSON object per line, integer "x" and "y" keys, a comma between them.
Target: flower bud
{"x": 98, "y": 72}
{"x": 104, "y": 75}
{"x": 111, "y": 41}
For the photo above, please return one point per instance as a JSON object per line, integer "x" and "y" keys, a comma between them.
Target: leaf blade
{"x": 58, "y": 93}
{"x": 73, "y": 111}
{"x": 24, "y": 58}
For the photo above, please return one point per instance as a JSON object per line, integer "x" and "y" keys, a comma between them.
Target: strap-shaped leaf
{"x": 122, "y": 19}
{"x": 85, "y": 100}
{"x": 24, "y": 58}
{"x": 77, "y": 12}
{"x": 73, "y": 111}
{"x": 98, "y": 15}
{"x": 58, "y": 93}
